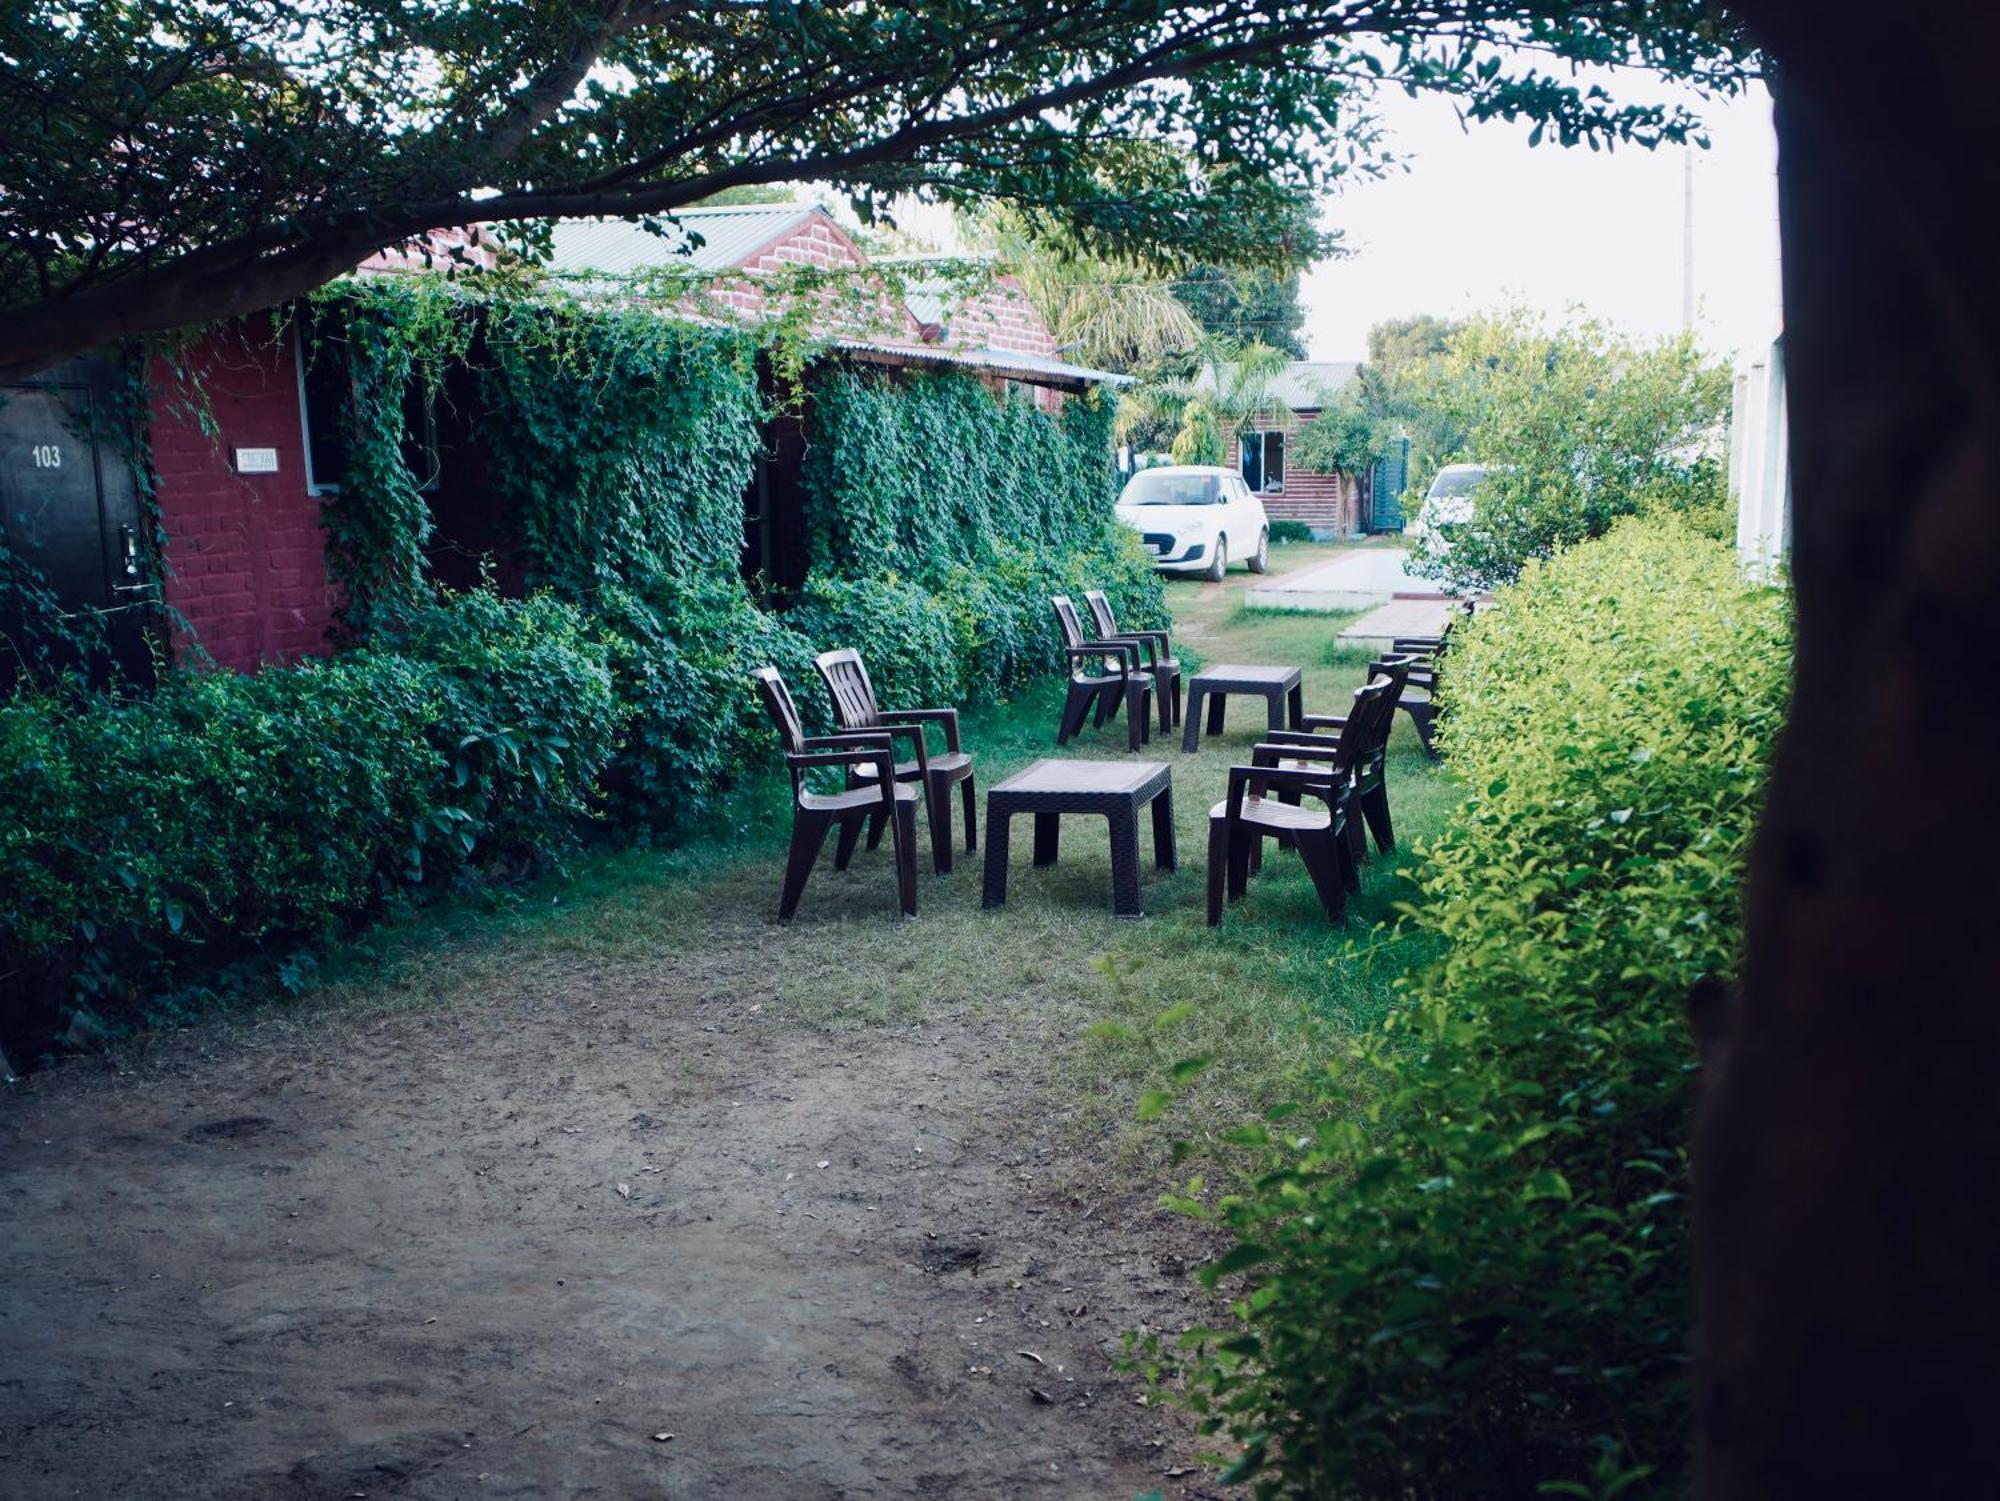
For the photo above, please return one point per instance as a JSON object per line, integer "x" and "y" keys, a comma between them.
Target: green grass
{"x": 1273, "y": 989}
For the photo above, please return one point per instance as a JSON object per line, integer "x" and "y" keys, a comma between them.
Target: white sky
{"x": 1479, "y": 219}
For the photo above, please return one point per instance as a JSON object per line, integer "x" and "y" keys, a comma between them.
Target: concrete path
{"x": 1353, "y": 581}
{"x": 1400, "y": 617}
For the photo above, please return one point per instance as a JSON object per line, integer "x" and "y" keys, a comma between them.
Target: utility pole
{"x": 1687, "y": 239}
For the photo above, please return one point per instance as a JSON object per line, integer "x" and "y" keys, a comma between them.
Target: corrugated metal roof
{"x": 1029, "y": 367}
{"x": 1301, "y": 384}
{"x": 729, "y": 236}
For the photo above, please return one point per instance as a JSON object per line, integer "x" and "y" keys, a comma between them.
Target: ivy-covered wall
{"x": 918, "y": 473}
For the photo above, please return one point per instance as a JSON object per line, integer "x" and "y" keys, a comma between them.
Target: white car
{"x": 1196, "y": 518}
{"x": 1447, "y": 503}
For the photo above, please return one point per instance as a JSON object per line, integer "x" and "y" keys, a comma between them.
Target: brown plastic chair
{"x": 1239, "y": 824}
{"x": 855, "y": 710}
{"x": 884, "y": 800}
{"x": 1427, "y": 653}
{"x": 1362, "y": 748}
{"x": 1091, "y": 683}
{"x": 1158, "y": 660}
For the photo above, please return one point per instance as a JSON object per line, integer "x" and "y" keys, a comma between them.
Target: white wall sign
{"x": 256, "y": 460}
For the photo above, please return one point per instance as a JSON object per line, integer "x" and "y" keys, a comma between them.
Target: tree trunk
{"x": 1848, "y": 1155}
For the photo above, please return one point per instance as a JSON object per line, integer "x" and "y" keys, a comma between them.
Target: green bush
{"x": 680, "y": 664}
{"x": 146, "y": 842}
{"x": 1481, "y": 1287}
{"x": 1578, "y": 427}
{"x": 907, "y": 636}
{"x": 1291, "y": 531}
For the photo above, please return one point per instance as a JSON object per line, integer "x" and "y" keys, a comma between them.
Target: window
{"x": 1263, "y": 461}
{"x": 322, "y": 369}
{"x": 1153, "y": 487}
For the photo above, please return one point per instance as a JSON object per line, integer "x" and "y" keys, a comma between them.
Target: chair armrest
{"x": 1137, "y": 639}
{"x": 880, "y": 756}
{"x": 920, "y": 717}
{"x": 1328, "y": 789}
{"x": 1269, "y": 752}
{"x": 1124, "y": 652}
{"x": 1155, "y": 643}
{"x": 1320, "y": 722}
{"x": 877, "y": 739}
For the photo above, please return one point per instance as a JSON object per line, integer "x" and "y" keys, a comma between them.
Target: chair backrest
{"x": 1100, "y": 611}
{"x": 1072, "y": 628}
{"x": 1389, "y": 674}
{"x": 1363, "y": 734}
{"x": 778, "y": 704}
{"x": 854, "y": 706}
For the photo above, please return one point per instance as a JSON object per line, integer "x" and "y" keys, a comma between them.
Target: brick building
{"x": 1332, "y": 504}
{"x": 233, "y": 466}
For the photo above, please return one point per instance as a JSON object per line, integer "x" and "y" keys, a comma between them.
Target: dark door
{"x": 70, "y": 516}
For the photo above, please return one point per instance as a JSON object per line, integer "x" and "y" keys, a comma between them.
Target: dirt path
{"x": 395, "y": 1260}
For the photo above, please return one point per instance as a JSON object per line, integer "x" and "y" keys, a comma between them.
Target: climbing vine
{"x": 919, "y": 473}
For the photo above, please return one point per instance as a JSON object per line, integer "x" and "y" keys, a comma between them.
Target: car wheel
{"x": 1261, "y": 558}
{"x": 1219, "y": 564}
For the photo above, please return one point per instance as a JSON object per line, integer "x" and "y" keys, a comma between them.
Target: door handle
{"x": 129, "y": 541}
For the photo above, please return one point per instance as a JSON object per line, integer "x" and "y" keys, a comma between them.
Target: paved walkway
{"x": 1400, "y": 617}
{"x": 1352, "y": 581}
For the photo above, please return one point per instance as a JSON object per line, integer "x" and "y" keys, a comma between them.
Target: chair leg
{"x": 877, "y": 822}
{"x": 1239, "y": 862}
{"x": 1163, "y": 690}
{"x": 1321, "y": 855}
{"x": 970, "y": 799}
{"x": 851, "y": 825}
{"x": 1075, "y": 706}
{"x": 1177, "y": 697}
{"x": 1107, "y": 705}
{"x": 1218, "y": 858}
{"x": 937, "y": 806}
{"x": 808, "y": 834}
{"x": 1375, "y": 808}
{"x": 906, "y": 856}
{"x": 1136, "y": 717}
{"x": 1350, "y": 867}
{"x": 1424, "y": 717}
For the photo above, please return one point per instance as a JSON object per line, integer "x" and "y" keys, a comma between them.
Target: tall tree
{"x": 1846, "y": 1211}
{"x": 166, "y": 162}
{"x": 1112, "y": 311}
{"x": 1249, "y": 305}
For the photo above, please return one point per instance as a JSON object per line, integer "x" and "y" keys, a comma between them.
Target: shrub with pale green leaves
{"x": 1480, "y": 1287}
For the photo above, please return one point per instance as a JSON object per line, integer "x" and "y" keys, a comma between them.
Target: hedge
{"x": 1482, "y": 1288}
{"x": 143, "y": 844}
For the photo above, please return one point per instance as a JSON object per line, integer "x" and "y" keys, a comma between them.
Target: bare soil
{"x": 396, "y": 1256}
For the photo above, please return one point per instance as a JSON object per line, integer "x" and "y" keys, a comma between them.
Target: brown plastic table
{"x": 1117, "y": 790}
{"x": 1279, "y": 687}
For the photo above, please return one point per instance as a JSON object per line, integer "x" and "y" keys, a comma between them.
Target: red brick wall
{"x": 821, "y": 243}
{"x": 999, "y": 317}
{"x": 245, "y": 552}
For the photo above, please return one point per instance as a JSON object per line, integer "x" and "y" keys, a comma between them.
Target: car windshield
{"x": 1456, "y": 482}
{"x": 1156, "y": 489}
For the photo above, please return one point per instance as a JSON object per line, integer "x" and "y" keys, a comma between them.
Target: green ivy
{"x": 620, "y": 441}
{"x": 915, "y": 474}
{"x": 394, "y": 330}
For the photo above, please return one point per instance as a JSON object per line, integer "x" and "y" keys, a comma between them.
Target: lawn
{"x": 1274, "y": 986}
{"x": 848, "y": 1206}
